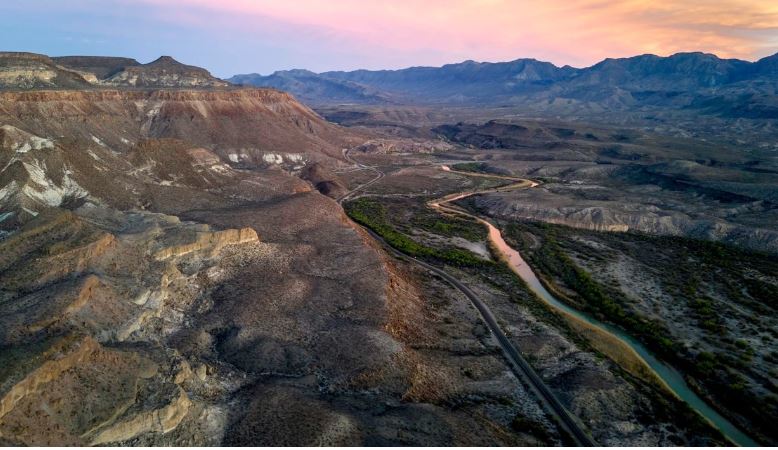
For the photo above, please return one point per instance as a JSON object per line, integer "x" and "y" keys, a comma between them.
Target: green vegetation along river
{"x": 671, "y": 377}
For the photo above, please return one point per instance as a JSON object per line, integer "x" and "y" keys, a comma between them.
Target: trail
{"x": 359, "y": 166}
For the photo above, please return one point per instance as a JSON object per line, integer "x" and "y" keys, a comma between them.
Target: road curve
{"x": 378, "y": 173}
{"x": 520, "y": 367}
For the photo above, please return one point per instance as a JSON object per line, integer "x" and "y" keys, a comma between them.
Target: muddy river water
{"x": 669, "y": 376}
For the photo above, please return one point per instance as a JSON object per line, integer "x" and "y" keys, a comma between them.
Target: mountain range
{"x": 700, "y": 81}
{"x": 697, "y": 82}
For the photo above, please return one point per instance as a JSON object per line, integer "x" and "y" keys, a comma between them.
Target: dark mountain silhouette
{"x": 765, "y": 67}
{"x": 467, "y": 81}
{"x": 453, "y": 83}
{"x": 310, "y": 86}
{"x": 684, "y": 80}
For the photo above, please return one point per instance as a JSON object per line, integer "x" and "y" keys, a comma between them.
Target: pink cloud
{"x": 578, "y": 32}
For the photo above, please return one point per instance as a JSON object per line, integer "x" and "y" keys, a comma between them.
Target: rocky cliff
{"x": 164, "y": 72}
{"x": 138, "y": 305}
{"x": 22, "y": 71}
{"x": 29, "y": 71}
{"x": 60, "y": 148}
{"x": 101, "y": 66}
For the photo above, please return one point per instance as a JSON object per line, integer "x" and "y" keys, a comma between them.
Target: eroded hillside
{"x": 166, "y": 277}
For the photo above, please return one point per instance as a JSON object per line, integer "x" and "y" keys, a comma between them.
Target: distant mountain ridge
{"x": 683, "y": 80}
{"x": 307, "y": 85}
{"x": 449, "y": 83}
{"x": 19, "y": 70}
{"x": 463, "y": 81}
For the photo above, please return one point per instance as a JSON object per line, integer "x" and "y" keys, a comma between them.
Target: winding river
{"x": 671, "y": 377}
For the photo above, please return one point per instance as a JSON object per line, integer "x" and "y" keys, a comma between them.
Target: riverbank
{"x": 611, "y": 340}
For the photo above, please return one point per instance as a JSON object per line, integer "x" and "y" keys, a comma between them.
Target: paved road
{"x": 516, "y": 361}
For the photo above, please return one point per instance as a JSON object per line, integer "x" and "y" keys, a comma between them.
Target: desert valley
{"x": 478, "y": 254}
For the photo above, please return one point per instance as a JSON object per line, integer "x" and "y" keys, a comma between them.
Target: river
{"x": 671, "y": 377}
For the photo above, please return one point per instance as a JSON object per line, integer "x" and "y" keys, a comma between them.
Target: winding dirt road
{"x": 359, "y": 166}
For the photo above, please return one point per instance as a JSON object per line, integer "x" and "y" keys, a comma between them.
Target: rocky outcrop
{"x": 101, "y": 67}
{"x": 210, "y": 241}
{"x": 53, "y": 245}
{"x": 390, "y": 146}
{"x": 71, "y": 261}
{"x": 71, "y": 387}
{"x": 248, "y": 122}
{"x": 164, "y": 72}
{"x": 20, "y": 70}
{"x": 60, "y": 384}
{"x": 33, "y": 71}
{"x": 162, "y": 420}
{"x": 324, "y": 180}
{"x": 613, "y": 214}
{"x": 118, "y": 143}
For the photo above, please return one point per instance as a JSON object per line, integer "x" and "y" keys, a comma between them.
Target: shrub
{"x": 372, "y": 214}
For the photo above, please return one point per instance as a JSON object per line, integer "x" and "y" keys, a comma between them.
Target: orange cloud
{"x": 578, "y": 32}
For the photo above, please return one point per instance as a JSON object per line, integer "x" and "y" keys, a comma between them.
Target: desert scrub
{"x": 373, "y": 214}
{"x": 551, "y": 259}
{"x": 714, "y": 285}
{"x": 477, "y": 167}
{"x": 390, "y": 217}
{"x": 529, "y": 426}
{"x": 447, "y": 226}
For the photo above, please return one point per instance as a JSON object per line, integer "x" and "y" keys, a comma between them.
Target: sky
{"x": 244, "y": 36}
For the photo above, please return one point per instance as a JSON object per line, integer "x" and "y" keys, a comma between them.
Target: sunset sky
{"x": 240, "y": 36}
